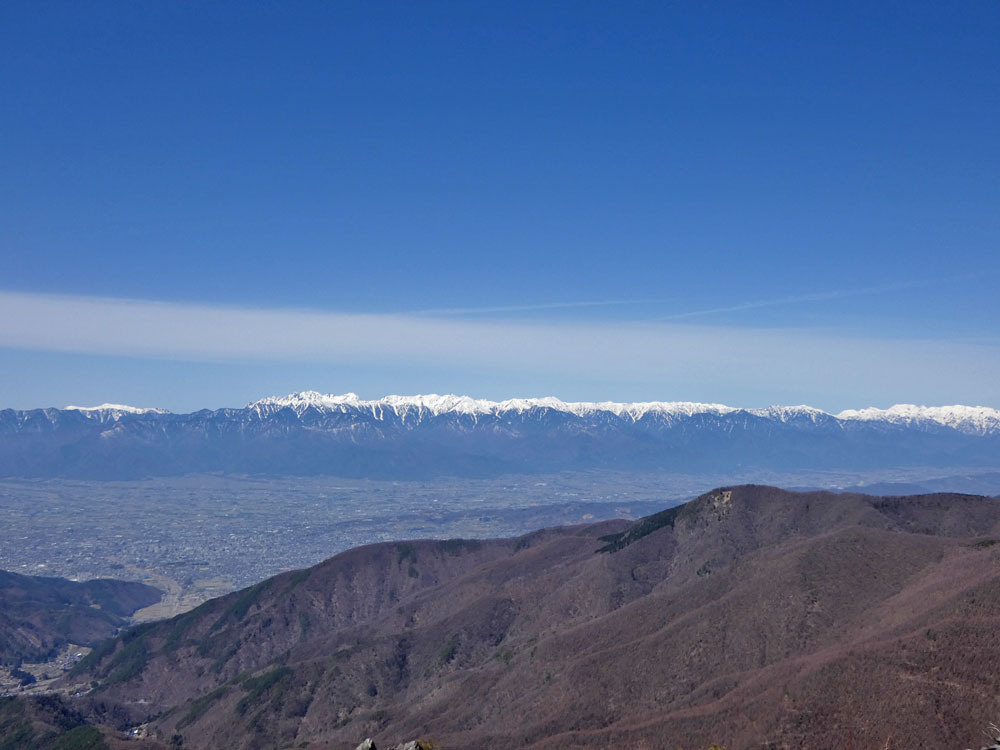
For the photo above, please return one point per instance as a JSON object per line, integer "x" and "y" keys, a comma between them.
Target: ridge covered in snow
{"x": 972, "y": 419}
{"x": 978, "y": 419}
{"x": 451, "y": 404}
{"x": 115, "y": 408}
{"x": 431, "y": 435}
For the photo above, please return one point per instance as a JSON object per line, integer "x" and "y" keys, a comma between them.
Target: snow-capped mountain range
{"x": 978, "y": 420}
{"x": 429, "y": 435}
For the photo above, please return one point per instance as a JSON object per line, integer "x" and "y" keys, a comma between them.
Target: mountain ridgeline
{"x": 752, "y": 617}
{"x": 428, "y": 436}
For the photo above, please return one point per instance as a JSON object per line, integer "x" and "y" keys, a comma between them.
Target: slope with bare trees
{"x": 751, "y": 617}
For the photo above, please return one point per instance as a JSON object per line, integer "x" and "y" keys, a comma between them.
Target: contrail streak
{"x": 814, "y": 297}
{"x": 533, "y": 306}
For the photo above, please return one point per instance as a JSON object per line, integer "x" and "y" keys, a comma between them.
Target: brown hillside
{"x": 38, "y": 615}
{"x": 751, "y": 617}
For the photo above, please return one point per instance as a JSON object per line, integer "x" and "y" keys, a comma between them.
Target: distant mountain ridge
{"x": 432, "y": 435}
{"x": 975, "y": 419}
{"x": 969, "y": 419}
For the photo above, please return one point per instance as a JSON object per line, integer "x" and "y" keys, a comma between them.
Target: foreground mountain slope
{"x": 748, "y": 616}
{"x": 40, "y": 614}
{"x": 47, "y": 723}
{"x": 427, "y": 436}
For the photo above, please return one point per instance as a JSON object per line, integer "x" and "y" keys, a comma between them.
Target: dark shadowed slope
{"x": 38, "y": 615}
{"x": 752, "y": 617}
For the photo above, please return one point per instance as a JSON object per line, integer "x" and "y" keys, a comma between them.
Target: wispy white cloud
{"x": 684, "y": 357}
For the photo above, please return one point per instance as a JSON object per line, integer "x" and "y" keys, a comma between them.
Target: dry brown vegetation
{"x": 753, "y": 617}
{"x": 39, "y": 615}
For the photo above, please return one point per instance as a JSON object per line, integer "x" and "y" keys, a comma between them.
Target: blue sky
{"x": 693, "y": 201}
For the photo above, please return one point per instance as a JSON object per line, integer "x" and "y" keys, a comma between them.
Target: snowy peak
{"x": 299, "y": 402}
{"x": 790, "y": 413}
{"x": 113, "y": 412}
{"x": 975, "y": 420}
